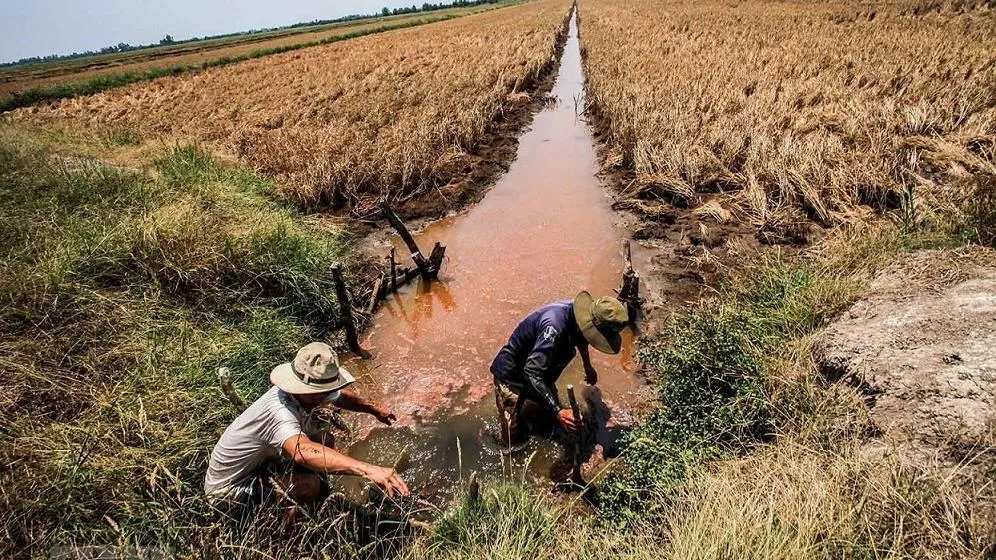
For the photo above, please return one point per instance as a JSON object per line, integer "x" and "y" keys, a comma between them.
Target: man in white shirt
{"x": 276, "y": 426}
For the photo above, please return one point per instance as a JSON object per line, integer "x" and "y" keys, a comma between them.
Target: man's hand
{"x": 566, "y": 419}
{"x": 387, "y": 479}
{"x": 590, "y": 375}
{"x": 384, "y": 416}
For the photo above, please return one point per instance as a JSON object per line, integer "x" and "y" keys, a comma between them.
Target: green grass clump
{"x": 508, "y": 521}
{"x": 121, "y": 292}
{"x": 711, "y": 369}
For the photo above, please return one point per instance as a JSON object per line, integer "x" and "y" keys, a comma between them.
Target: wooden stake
{"x": 346, "y": 311}
{"x": 227, "y": 387}
{"x": 576, "y": 459}
{"x": 436, "y": 258}
{"x": 473, "y": 489}
{"x": 629, "y": 292}
{"x": 394, "y": 273}
{"x": 399, "y": 226}
{"x": 375, "y": 295}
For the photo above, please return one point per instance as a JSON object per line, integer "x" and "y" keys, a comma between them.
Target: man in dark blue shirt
{"x": 528, "y": 366}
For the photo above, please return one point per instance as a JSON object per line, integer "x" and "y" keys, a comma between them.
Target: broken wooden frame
{"x": 426, "y": 268}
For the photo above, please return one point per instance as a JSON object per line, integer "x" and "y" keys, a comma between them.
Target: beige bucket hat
{"x": 601, "y": 320}
{"x": 315, "y": 369}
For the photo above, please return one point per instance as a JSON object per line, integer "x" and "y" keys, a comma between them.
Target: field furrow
{"x": 343, "y": 124}
{"x": 778, "y": 113}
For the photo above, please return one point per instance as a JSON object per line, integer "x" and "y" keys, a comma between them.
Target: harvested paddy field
{"x": 18, "y": 82}
{"x": 343, "y": 124}
{"x": 780, "y": 114}
{"x": 125, "y": 288}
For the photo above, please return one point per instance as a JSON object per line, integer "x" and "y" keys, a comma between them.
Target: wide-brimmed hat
{"x": 601, "y": 320}
{"x": 315, "y": 369}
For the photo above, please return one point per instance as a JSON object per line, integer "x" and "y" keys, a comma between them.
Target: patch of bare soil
{"x": 921, "y": 348}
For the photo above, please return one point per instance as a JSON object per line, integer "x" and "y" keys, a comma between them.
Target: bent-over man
{"x": 274, "y": 430}
{"x": 544, "y": 343}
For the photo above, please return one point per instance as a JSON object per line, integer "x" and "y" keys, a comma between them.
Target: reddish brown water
{"x": 545, "y": 231}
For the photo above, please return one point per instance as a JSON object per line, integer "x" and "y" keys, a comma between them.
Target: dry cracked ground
{"x": 921, "y": 349}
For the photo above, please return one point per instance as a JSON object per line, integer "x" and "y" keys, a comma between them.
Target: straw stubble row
{"x": 769, "y": 112}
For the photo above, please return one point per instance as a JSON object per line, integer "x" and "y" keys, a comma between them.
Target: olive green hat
{"x": 601, "y": 320}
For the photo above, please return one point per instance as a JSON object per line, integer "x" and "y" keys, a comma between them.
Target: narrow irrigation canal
{"x": 545, "y": 231}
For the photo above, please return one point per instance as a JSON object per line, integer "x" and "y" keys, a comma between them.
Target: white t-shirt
{"x": 255, "y": 437}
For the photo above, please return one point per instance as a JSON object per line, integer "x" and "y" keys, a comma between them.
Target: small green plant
{"x": 908, "y": 215}
{"x": 980, "y": 222}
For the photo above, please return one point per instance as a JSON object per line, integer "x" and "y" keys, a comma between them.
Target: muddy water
{"x": 545, "y": 231}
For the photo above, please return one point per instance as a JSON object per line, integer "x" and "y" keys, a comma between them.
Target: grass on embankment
{"x": 102, "y": 83}
{"x": 121, "y": 292}
{"x": 750, "y": 452}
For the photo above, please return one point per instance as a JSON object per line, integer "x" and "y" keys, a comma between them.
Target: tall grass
{"x": 121, "y": 293}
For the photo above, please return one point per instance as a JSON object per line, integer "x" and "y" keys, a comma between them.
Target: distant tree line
{"x": 168, "y": 39}
{"x": 429, "y": 7}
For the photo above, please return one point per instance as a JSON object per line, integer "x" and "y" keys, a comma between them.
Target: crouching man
{"x": 526, "y": 369}
{"x": 248, "y": 458}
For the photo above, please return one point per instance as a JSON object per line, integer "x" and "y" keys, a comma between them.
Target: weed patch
{"x": 122, "y": 292}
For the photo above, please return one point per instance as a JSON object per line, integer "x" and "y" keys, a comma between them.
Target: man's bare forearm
{"x": 585, "y": 356}
{"x": 320, "y": 458}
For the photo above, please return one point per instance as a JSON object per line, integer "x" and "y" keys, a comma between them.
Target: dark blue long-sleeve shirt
{"x": 537, "y": 353}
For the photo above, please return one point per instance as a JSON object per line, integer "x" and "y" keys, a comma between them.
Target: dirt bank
{"x": 921, "y": 349}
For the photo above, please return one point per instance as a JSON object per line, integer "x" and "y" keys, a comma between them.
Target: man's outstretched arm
{"x": 319, "y": 458}
{"x": 350, "y": 400}
{"x": 590, "y": 375}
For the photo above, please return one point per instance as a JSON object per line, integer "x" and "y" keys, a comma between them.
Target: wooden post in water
{"x": 346, "y": 310}
{"x": 399, "y": 226}
{"x": 378, "y": 287}
{"x": 394, "y": 272}
{"x": 576, "y": 451}
{"x": 473, "y": 489}
{"x": 629, "y": 292}
{"x": 436, "y": 258}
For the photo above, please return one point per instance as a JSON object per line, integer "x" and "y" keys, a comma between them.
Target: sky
{"x": 42, "y": 27}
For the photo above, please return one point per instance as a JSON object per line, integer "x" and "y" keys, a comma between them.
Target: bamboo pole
{"x": 576, "y": 451}
{"x": 629, "y": 292}
{"x": 375, "y": 295}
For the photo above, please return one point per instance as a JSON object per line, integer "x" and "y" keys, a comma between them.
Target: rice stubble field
{"x": 341, "y": 125}
{"x": 779, "y": 114}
